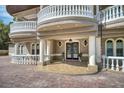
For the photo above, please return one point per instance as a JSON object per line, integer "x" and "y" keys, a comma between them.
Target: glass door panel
{"x": 72, "y": 50}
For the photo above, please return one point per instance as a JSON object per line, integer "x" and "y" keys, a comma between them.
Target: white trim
{"x": 113, "y": 46}
{"x": 73, "y": 40}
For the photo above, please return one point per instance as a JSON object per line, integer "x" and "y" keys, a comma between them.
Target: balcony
{"x": 23, "y": 29}
{"x": 113, "y": 15}
{"x": 69, "y": 14}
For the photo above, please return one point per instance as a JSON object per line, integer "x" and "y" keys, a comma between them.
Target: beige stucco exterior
{"x": 66, "y": 27}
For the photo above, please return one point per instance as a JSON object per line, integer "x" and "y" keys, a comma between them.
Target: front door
{"x": 72, "y": 50}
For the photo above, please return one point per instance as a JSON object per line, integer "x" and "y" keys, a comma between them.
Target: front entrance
{"x": 72, "y": 50}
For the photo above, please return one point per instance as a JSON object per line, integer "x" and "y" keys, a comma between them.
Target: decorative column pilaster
{"x": 92, "y": 67}
{"x": 98, "y": 49}
{"x": 45, "y": 50}
{"x": 15, "y": 49}
{"x": 42, "y": 50}
{"x": 48, "y": 50}
{"x": 92, "y": 51}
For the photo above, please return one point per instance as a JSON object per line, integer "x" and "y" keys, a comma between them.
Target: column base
{"x": 92, "y": 68}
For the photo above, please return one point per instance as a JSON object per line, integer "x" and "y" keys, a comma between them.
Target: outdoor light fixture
{"x": 70, "y": 40}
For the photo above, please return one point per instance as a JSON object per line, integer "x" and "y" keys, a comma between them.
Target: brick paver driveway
{"x": 13, "y": 75}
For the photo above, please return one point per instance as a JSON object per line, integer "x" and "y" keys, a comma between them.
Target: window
{"x": 119, "y": 48}
{"x": 20, "y": 49}
{"x": 109, "y": 48}
{"x": 33, "y": 49}
{"x": 37, "y": 49}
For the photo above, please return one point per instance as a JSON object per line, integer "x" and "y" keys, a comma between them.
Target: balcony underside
{"x": 117, "y": 23}
{"x": 66, "y": 23}
{"x": 22, "y": 35}
{"x": 113, "y": 32}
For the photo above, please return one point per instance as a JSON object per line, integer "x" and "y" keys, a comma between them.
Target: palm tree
{"x": 4, "y": 37}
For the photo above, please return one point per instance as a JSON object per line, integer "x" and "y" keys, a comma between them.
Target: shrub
{"x": 3, "y": 52}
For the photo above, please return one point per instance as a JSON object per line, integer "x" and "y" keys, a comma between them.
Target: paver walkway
{"x": 14, "y": 75}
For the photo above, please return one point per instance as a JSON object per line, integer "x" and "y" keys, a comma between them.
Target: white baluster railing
{"x": 22, "y": 26}
{"x": 112, "y": 13}
{"x": 113, "y": 63}
{"x": 53, "y": 11}
{"x": 25, "y": 59}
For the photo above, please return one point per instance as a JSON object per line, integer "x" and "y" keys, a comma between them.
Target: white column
{"x": 98, "y": 49}
{"x": 41, "y": 50}
{"x": 15, "y": 49}
{"x": 45, "y": 50}
{"x": 49, "y": 49}
{"x": 92, "y": 44}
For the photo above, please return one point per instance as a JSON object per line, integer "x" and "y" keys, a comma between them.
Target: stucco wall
{"x": 11, "y": 49}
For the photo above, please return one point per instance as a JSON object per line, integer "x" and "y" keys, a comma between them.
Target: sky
{"x": 4, "y": 15}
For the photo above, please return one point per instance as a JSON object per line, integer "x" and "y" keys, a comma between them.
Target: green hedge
{"x": 3, "y": 52}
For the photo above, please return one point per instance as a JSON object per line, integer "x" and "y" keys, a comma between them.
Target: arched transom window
{"x": 35, "y": 49}
{"x": 119, "y": 48}
{"x": 109, "y": 48}
{"x": 20, "y": 49}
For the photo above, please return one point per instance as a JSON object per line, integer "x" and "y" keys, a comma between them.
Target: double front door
{"x": 72, "y": 50}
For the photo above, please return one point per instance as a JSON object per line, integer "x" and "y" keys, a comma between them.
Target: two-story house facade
{"x": 46, "y": 33}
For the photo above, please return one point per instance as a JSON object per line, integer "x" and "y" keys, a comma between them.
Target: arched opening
{"x": 18, "y": 49}
{"x": 119, "y": 48}
{"x": 37, "y": 49}
{"x": 33, "y": 49}
{"x": 22, "y": 49}
{"x": 109, "y": 48}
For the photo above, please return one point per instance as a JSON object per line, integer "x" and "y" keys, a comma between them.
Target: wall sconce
{"x": 70, "y": 40}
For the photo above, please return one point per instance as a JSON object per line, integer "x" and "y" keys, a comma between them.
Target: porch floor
{"x": 65, "y": 68}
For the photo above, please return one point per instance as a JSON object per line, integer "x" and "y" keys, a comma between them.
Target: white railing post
{"x": 65, "y": 10}
{"x": 123, "y": 65}
{"x": 110, "y": 14}
{"x": 121, "y": 10}
{"x": 72, "y": 9}
{"x": 22, "y": 26}
{"x": 117, "y": 65}
{"x": 107, "y": 65}
{"x": 117, "y": 12}
{"x": 112, "y": 65}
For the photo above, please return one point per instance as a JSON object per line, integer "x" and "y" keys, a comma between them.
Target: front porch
{"x": 65, "y": 55}
{"x": 68, "y": 67}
